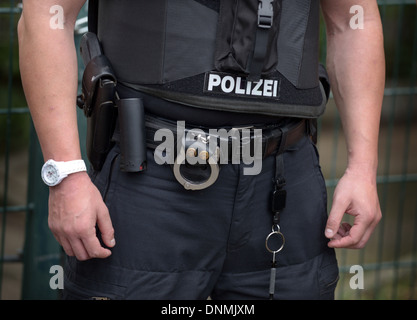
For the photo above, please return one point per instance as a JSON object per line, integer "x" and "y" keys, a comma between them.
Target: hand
{"x": 75, "y": 208}
{"x": 355, "y": 195}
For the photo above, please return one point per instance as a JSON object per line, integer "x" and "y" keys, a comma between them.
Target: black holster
{"x": 101, "y": 124}
{"x": 98, "y": 100}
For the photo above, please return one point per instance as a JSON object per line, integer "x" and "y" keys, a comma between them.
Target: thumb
{"x": 335, "y": 217}
{"x": 105, "y": 226}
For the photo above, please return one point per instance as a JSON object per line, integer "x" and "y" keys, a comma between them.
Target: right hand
{"x": 75, "y": 209}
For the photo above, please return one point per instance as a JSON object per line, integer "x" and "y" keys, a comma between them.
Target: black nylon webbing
{"x": 259, "y": 54}
{"x": 92, "y": 15}
{"x": 265, "y": 20}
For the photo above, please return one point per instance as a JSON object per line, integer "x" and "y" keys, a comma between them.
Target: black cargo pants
{"x": 177, "y": 244}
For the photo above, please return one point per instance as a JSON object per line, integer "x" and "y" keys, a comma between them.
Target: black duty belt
{"x": 272, "y": 135}
{"x": 190, "y": 150}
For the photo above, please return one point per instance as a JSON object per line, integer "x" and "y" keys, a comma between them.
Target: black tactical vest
{"x": 231, "y": 55}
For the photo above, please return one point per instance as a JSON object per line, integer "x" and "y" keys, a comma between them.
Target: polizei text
{"x": 223, "y": 83}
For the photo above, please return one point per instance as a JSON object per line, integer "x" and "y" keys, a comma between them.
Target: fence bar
{"x": 384, "y": 194}
{"x": 395, "y": 2}
{"x": 12, "y": 209}
{"x": 14, "y": 111}
{"x": 413, "y": 275}
{"x": 11, "y": 258}
{"x": 41, "y": 251}
{"x": 7, "y": 146}
{"x": 401, "y": 199}
{"x": 396, "y": 178}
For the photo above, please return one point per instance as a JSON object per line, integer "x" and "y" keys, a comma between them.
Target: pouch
{"x": 237, "y": 35}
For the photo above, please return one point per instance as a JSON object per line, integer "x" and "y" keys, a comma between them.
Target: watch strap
{"x": 73, "y": 166}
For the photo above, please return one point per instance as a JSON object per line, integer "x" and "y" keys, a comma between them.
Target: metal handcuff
{"x": 198, "y": 153}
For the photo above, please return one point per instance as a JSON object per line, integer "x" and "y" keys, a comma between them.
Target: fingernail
{"x": 329, "y": 233}
{"x": 112, "y": 242}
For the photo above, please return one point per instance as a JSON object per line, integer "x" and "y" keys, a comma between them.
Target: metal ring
{"x": 192, "y": 185}
{"x": 269, "y": 236}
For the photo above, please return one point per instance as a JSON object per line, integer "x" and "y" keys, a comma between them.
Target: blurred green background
{"x": 390, "y": 258}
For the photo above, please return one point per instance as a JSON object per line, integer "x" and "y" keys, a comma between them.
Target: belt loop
{"x": 281, "y": 147}
{"x": 312, "y": 130}
{"x": 279, "y": 194}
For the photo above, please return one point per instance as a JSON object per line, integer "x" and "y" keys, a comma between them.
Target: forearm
{"x": 48, "y": 66}
{"x": 356, "y": 67}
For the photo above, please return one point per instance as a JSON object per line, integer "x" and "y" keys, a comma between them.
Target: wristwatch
{"x": 53, "y": 172}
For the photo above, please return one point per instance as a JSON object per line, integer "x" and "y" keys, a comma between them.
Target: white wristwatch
{"x": 53, "y": 172}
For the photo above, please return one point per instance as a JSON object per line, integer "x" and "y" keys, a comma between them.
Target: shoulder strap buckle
{"x": 265, "y": 14}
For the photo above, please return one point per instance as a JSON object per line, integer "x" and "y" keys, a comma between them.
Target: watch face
{"x": 50, "y": 174}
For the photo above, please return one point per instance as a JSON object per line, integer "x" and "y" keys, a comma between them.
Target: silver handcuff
{"x": 197, "y": 154}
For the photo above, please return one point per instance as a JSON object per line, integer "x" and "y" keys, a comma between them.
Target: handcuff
{"x": 195, "y": 156}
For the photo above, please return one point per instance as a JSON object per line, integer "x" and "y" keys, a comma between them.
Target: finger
{"x": 368, "y": 232}
{"x": 340, "y": 242}
{"x": 335, "y": 217}
{"x": 370, "y": 225}
{"x": 67, "y": 247}
{"x": 337, "y": 236}
{"x": 360, "y": 231}
{"x": 354, "y": 237}
{"x": 106, "y": 227}
{"x": 64, "y": 243}
{"x": 79, "y": 250}
{"x": 344, "y": 229}
{"x": 93, "y": 246}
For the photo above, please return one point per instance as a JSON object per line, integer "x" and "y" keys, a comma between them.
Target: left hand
{"x": 356, "y": 195}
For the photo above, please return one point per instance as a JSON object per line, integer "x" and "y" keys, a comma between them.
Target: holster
{"x": 97, "y": 100}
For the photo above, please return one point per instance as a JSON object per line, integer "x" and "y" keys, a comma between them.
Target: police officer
{"x": 143, "y": 235}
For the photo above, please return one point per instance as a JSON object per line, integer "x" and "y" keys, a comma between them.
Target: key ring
{"x": 278, "y": 233}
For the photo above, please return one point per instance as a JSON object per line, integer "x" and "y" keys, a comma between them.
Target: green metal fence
{"x": 27, "y": 247}
{"x": 389, "y": 261}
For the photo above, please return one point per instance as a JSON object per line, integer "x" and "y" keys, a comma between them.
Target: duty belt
{"x": 214, "y": 147}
